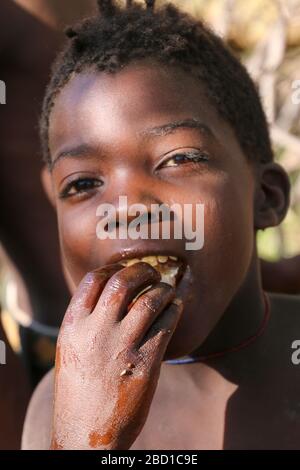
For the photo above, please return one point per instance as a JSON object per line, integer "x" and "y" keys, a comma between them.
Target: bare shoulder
{"x": 37, "y": 426}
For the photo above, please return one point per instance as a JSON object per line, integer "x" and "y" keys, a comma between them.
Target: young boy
{"x": 150, "y": 104}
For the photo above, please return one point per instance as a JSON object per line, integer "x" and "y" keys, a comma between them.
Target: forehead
{"x": 103, "y": 107}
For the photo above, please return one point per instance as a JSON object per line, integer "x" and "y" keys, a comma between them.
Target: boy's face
{"x": 98, "y": 135}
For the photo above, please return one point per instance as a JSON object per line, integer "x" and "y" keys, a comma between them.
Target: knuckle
{"x": 117, "y": 282}
{"x": 149, "y": 303}
{"x": 143, "y": 360}
{"x": 90, "y": 277}
{"x": 162, "y": 332}
{"x": 148, "y": 364}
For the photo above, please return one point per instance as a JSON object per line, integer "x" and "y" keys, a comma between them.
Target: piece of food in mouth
{"x": 169, "y": 267}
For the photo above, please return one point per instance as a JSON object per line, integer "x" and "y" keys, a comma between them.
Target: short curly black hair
{"x": 119, "y": 34}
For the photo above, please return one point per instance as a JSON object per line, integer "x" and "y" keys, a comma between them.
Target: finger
{"x": 154, "y": 344}
{"x": 145, "y": 311}
{"x": 122, "y": 287}
{"x": 88, "y": 292}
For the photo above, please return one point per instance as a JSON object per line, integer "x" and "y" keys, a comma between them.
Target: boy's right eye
{"x": 80, "y": 186}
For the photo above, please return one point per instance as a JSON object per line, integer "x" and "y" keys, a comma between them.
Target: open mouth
{"x": 170, "y": 267}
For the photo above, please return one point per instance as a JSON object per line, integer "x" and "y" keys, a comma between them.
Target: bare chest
{"x": 228, "y": 417}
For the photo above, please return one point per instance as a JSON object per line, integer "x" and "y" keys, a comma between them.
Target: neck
{"x": 242, "y": 319}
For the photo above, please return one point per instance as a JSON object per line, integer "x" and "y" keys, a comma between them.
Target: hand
{"x": 108, "y": 357}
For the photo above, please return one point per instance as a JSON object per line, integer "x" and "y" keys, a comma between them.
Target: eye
{"x": 80, "y": 186}
{"x": 192, "y": 156}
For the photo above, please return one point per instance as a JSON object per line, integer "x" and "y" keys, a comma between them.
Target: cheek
{"x": 219, "y": 269}
{"x": 78, "y": 240}
{"x": 228, "y": 201}
{"x": 229, "y": 234}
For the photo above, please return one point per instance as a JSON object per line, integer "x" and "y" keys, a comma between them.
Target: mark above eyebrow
{"x": 165, "y": 129}
{"x": 81, "y": 150}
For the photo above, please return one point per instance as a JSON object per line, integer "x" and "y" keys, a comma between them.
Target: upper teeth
{"x": 152, "y": 260}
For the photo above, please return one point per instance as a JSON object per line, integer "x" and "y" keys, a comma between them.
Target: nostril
{"x": 113, "y": 225}
{"x": 163, "y": 216}
{"x": 145, "y": 218}
{"x": 110, "y": 226}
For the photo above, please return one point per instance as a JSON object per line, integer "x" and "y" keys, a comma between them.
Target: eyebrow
{"x": 83, "y": 150}
{"x": 170, "y": 127}
{"x": 80, "y": 150}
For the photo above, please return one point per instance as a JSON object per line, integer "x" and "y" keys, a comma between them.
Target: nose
{"x": 134, "y": 194}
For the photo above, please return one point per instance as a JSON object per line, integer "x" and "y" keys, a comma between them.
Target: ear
{"x": 272, "y": 197}
{"x": 47, "y": 184}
